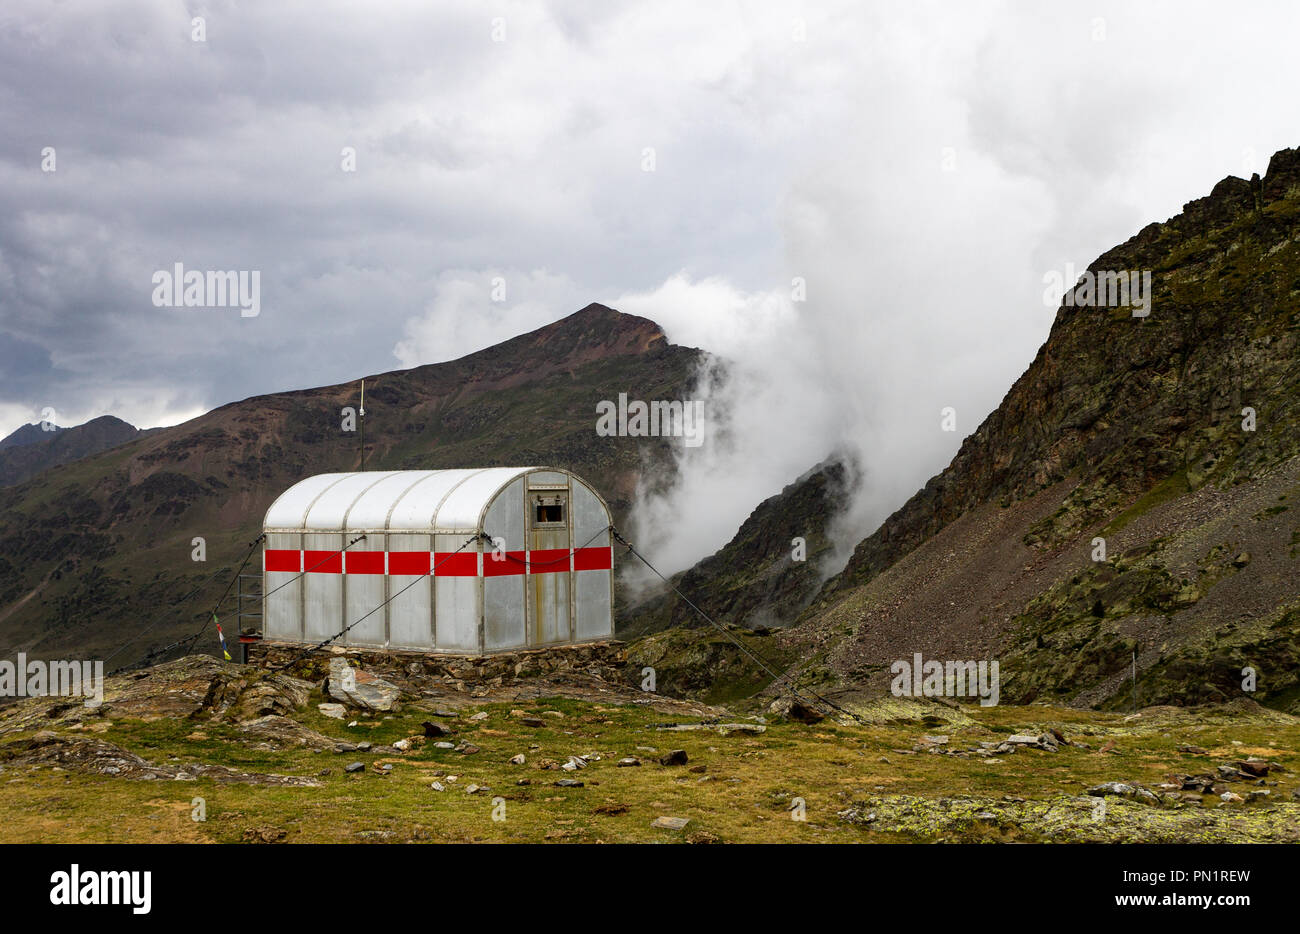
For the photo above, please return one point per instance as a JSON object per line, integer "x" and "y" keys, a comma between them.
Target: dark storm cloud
{"x": 472, "y": 155}
{"x": 23, "y": 361}
{"x": 789, "y": 140}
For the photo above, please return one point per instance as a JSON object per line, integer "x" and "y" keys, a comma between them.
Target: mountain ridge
{"x": 32, "y": 449}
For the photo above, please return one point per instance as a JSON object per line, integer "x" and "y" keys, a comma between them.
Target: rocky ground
{"x": 572, "y": 756}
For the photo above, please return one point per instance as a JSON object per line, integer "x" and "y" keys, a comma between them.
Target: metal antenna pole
{"x": 1135, "y": 677}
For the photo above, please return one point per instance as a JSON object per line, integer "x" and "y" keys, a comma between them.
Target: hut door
{"x": 549, "y": 594}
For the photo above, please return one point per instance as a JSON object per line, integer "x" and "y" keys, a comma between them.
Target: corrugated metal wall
{"x": 282, "y": 607}
{"x": 594, "y": 593}
{"x": 410, "y": 614}
{"x": 550, "y": 603}
{"x": 364, "y": 586}
{"x": 457, "y": 610}
{"x": 503, "y": 584}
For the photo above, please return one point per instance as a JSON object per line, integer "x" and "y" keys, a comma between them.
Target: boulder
{"x": 361, "y": 689}
{"x": 1124, "y": 790}
{"x": 1256, "y": 767}
{"x": 794, "y": 709}
{"x": 1203, "y": 784}
{"x": 271, "y": 694}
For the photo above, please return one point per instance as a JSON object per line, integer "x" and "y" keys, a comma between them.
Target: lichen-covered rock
{"x": 281, "y": 732}
{"x": 267, "y": 694}
{"x": 99, "y": 757}
{"x": 197, "y": 687}
{"x": 1066, "y": 818}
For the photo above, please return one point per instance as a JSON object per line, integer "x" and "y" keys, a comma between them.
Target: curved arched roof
{"x": 398, "y": 500}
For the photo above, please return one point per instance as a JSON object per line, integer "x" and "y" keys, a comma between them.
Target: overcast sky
{"x": 920, "y": 166}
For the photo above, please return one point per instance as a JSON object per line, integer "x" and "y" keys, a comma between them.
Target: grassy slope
{"x": 743, "y": 793}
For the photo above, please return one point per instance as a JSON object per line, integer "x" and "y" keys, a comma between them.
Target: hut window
{"x": 549, "y": 512}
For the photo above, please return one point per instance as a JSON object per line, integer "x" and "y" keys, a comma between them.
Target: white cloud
{"x": 475, "y": 309}
{"x": 768, "y": 416}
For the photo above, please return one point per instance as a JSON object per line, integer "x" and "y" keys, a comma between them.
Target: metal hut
{"x": 466, "y": 561}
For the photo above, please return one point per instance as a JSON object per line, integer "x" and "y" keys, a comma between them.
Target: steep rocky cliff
{"x": 763, "y": 577}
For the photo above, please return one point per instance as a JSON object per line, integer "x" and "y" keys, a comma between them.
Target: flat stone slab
{"x": 670, "y": 823}
{"x": 726, "y": 729}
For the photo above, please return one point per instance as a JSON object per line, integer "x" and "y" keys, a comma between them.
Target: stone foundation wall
{"x": 407, "y": 669}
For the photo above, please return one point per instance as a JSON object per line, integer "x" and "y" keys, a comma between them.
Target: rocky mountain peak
{"x": 1283, "y": 177}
